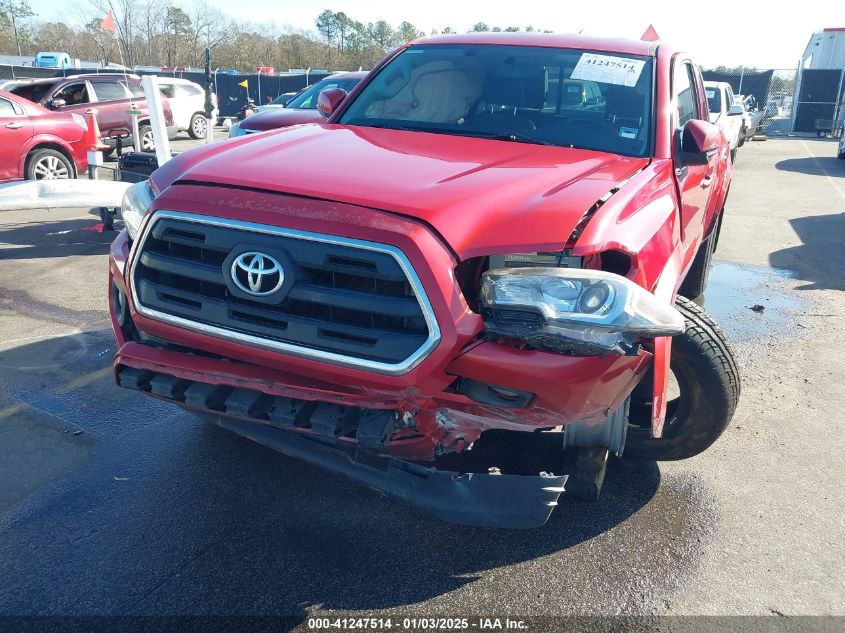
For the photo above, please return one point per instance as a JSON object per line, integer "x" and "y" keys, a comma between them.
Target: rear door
{"x": 112, "y": 106}
{"x": 15, "y": 131}
{"x": 694, "y": 181}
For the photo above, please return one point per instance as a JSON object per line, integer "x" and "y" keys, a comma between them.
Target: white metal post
{"x": 133, "y": 114}
{"x": 162, "y": 143}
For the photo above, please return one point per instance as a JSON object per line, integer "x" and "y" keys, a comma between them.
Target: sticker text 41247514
{"x": 608, "y": 69}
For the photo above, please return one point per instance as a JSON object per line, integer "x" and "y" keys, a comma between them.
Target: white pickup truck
{"x": 724, "y": 112}
{"x": 752, "y": 116}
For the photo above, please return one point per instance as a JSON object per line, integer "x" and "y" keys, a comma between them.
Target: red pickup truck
{"x": 465, "y": 289}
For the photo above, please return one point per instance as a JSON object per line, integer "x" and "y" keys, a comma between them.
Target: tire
{"x": 147, "y": 143}
{"x": 199, "y": 126}
{"x": 695, "y": 282}
{"x": 733, "y": 155}
{"x": 742, "y": 137}
{"x": 841, "y": 156}
{"x": 705, "y": 370}
{"x": 48, "y": 164}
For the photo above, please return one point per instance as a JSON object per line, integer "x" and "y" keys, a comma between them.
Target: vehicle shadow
{"x": 820, "y": 258}
{"x": 814, "y": 166}
{"x": 355, "y": 550}
{"x": 56, "y": 238}
{"x": 172, "y": 515}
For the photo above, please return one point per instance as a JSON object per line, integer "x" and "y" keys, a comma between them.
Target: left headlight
{"x": 578, "y": 310}
{"x": 136, "y": 202}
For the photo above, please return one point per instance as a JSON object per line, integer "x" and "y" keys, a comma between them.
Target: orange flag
{"x": 650, "y": 35}
{"x": 107, "y": 23}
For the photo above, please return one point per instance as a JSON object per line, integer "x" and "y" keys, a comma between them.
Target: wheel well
{"x": 54, "y": 146}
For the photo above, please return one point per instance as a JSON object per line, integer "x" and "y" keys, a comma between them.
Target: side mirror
{"x": 698, "y": 140}
{"x": 735, "y": 109}
{"x": 329, "y": 100}
{"x": 54, "y": 104}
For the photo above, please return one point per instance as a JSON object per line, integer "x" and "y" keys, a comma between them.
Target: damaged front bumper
{"x": 311, "y": 432}
{"x": 477, "y": 499}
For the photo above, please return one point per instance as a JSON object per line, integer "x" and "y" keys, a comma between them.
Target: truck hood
{"x": 481, "y": 196}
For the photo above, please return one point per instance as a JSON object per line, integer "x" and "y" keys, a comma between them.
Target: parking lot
{"x": 113, "y": 503}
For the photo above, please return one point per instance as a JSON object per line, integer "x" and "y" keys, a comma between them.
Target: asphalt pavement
{"x": 112, "y": 503}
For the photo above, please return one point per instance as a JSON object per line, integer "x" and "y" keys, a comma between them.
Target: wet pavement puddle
{"x": 750, "y": 302}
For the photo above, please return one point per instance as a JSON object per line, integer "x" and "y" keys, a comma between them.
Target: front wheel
{"x": 147, "y": 140}
{"x": 199, "y": 126}
{"x": 704, "y": 392}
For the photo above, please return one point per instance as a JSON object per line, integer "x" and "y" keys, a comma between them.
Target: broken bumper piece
{"x": 483, "y": 500}
{"x": 479, "y": 499}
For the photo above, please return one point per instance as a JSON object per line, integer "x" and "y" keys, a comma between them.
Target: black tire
{"x": 144, "y": 131}
{"x": 198, "y": 123}
{"x": 742, "y": 136}
{"x": 44, "y": 164}
{"x": 709, "y": 385}
{"x": 733, "y": 155}
{"x": 695, "y": 282}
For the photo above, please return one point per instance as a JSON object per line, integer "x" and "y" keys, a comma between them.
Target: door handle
{"x": 14, "y": 126}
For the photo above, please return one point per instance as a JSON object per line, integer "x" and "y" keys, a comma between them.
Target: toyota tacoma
{"x": 465, "y": 288}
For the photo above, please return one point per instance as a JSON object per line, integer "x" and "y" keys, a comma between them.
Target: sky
{"x": 718, "y": 33}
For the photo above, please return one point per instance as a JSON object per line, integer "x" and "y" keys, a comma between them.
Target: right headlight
{"x": 136, "y": 203}
{"x": 574, "y": 309}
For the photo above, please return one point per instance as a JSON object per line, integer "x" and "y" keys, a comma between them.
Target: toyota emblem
{"x": 257, "y": 274}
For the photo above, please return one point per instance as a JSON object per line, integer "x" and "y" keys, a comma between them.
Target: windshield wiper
{"x": 510, "y": 136}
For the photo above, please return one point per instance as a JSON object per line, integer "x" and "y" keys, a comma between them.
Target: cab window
{"x": 134, "y": 89}
{"x": 109, "y": 91}
{"x": 686, "y": 94}
{"x": 168, "y": 90}
{"x": 6, "y": 108}
{"x": 73, "y": 94}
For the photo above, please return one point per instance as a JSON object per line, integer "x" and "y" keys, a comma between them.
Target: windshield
{"x": 714, "y": 100}
{"x": 548, "y": 96}
{"x": 307, "y": 99}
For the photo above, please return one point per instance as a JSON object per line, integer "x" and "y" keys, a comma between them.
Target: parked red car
{"x": 110, "y": 94}
{"x": 465, "y": 289}
{"x": 37, "y": 144}
{"x": 302, "y": 108}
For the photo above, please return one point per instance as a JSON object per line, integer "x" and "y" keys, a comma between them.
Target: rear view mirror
{"x": 698, "y": 140}
{"x": 329, "y": 100}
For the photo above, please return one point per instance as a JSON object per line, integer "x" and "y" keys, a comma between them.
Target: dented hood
{"x": 481, "y": 196}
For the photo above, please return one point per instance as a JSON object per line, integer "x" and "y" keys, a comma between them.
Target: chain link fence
{"x": 807, "y": 101}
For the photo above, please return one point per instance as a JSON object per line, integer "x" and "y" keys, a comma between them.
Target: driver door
{"x": 695, "y": 182}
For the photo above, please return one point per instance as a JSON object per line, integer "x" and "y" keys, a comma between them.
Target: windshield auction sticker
{"x": 608, "y": 69}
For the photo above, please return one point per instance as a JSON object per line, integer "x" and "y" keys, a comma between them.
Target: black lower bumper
{"x": 470, "y": 498}
{"x": 483, "y": 500}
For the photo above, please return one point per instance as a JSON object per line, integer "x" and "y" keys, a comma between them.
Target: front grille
{"x": 349, "y": 301}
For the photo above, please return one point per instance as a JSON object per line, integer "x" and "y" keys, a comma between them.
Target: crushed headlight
{"x": 575, "y": 310}
{"x": 136, "y": 202}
